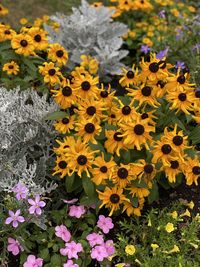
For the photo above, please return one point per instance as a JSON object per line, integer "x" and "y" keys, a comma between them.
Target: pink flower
{"x": 14, "y": 218}
{"x": 99, "y": 253}
{"x": 32, "y": 261}
{"x": 105, "y": 224}
{"x": 14, "y": 246}
{"x": 36, "y": 205}
{"x": 63, "y": 233}
{"x": 72, "y": 201}
{"x": 109, "y": 246}
{"x": 94, "y": 239}
{"x": 71, "y": 249}
{"x": 76, "y": 211}
{"x": 70, "y": 263}
{"x": 21, "y": 191}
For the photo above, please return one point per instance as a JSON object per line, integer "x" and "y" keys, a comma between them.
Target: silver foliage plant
{"x": 25, "y": 140}
{"x": 91, "y": 31}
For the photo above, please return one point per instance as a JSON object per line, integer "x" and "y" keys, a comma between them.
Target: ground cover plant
{"x": 100, "y": 136}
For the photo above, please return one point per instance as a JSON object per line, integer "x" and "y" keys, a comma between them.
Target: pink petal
{"x": 20, "y": 219}
{"x": 42, "y": 204}
{"x": 8, "y": 220}
{"x": 38, "y": 211}
{"x": 11, "y": 213}
{"x": 15, "y": 224}
{"x": 31, "y": 210}
{"x": 17, "y": 213}
{"x": 31, "y": 202}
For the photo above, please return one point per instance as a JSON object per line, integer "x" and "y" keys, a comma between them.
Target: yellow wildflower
{"x": 174, "y": 214}
{"x": 154, "y": 246}
{"x": 169, "y": 227}
{"x": 130, "y": 249}
{"x": 186, "y": 213}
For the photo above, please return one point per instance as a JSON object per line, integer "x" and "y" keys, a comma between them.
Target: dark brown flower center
{"x": 52, "y": 72}
{"x": 197, "y": 94}
{"x": 178, "y": 140}
{"x": 161, "y": 83}
{"x": 91, "y": 110}
{"x": 82, "y": 160}
{"x": 174, "y": 164}
{"x": 181, "y": 79}
{"x": 11, "y": 67}
{"x": 126, "y": 110}
{"x": 85, "y": 86}
{"x": 37, "y": 38}
{"x": 130, "y": 74}
{"x": 59, "y": 53}
{"x": 146, "y": 91}
{"x": 166, "y": 149}
{"x": 103, "y": 169}
{"x": 117, "y": 137}
{"x": 104, "y": 94}
{"x": 23, "y": 43}
{"x": 113, "y": 116}
{"x": 62, "y": 164}
{"x": 114, "y": 198}
{"x": 196, "y": 170}
{"x": 122, "y": 173}
{"x": 154, "y": 67}
{"x": 65, "y": 121}
{"x": 89, "y": 128}
{"x": 67, "y": 91}
{"x": 182, "y": 97}
{"x": 148, "y": 168}
{"x": 144, "y": 116}
{"x": 7, "y": 32}
{"x": 138, "y": 129}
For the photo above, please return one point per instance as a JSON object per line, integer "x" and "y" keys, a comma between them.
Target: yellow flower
{"x": 174, "y": 214}
{"x": 154, "y": 246}
{"x": 175, "y": 249}
{"x": 186, "y": 213}
{"x": 190, "y": 204}
{"x": 23, "y": 44}
{"x": 130, "y": 250}
{"x": 194, "y": 245}
{"x": 23, "y": 21}
{"x": 3, "y": 10}
{"x": 169, "y": 227}
{"x": 120, "y": 265}
{"x": 191, "y": 9}
{"x": 11, "y": 68}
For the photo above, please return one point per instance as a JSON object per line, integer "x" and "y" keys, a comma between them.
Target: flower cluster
{"x": 122, "y": 144}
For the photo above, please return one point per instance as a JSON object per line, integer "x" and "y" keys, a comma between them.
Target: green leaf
{"x": 56, "y": 260}
{"x": 195, "y": 135}
{"x": 44, "y": 253}
{"x": 88, "y": 186}
{"x": 154, "y": 194}
{"x": 69, "y": 182}
{"x": 56, "y": 115}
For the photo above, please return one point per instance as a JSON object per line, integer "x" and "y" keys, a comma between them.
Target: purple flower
{"x": 196, "y": 47}
{"x": 21, "y": 191}
{"x": 162, "y": 14}
{"x": 71, "y": 250}
{"x": 109, "y": 246}
{"x": 180, "y": 65}
{"x": 105, "y": 224}
{"x": 32, "y": 261}
{"x": 76, "y": 211}
{"x": 70, "y": 263}
{"x": 145, "y": 49}
{"x": 99, "y": 253}
{"x": 198, "y": 89}
{"x": 14, "y": 218}
{"x": 63, "y": 233}
{"x": 94, "y": 239}
{"x": 179, "y": 34}
{"x": 36, "y": 205}
{"x": 14, "y": 246}
{"x": 72, "y": 201}
{"x": 162, "y": 53}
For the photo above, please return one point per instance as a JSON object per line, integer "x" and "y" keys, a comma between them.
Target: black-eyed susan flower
{"x": 181, "y": 100}
{"x": 11, "y": 68}
{"x": 86, "y": 86}
{"x": 3, "y": 10}
{"x": 129, "y": 77}
{"x": 106, "y": 96}
{"x": 97, "y": 4}
{"x": 125, "y": 113}
{"x": 88, "y": 130}
{"x": 6, "y": 33}
{"x": 50, "y": 72}
{"x": 191, "y": 169}
{"x": 112, "y": 198}
{"x": 158, "y": 87}
{"x": 149, "y": 117}
{"x": 39, "y": 37}
{"x": 23, "y": 21}
{"x": 143, "y": 169}
{"x": 114, "y": 142}
{"x": 138, "y": 192}
{"x": 91, "y": 108}
{"x": 90, "y": 64}
{"x": 80, "y": 157}
{"x": 65, "y": 96}
{"x": 144, "y": 95}
{"x": 65, "y": 125}
{"x": 58, "y": 54}
{"x": 137, "y": 134}
{"x": 63, "y": 145}
{"x": 132, "y": 210}
{"x": 61, "y": 167}
{"x": 122, "y": 175}
{"x": 23, "y": 44}
{"x": 163, "y": 152}
{"x": 153, "y": 70}
{"x": 144, "y": 5}
{"x": 172, "y": 170}
{"x": 102, "y": 170}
